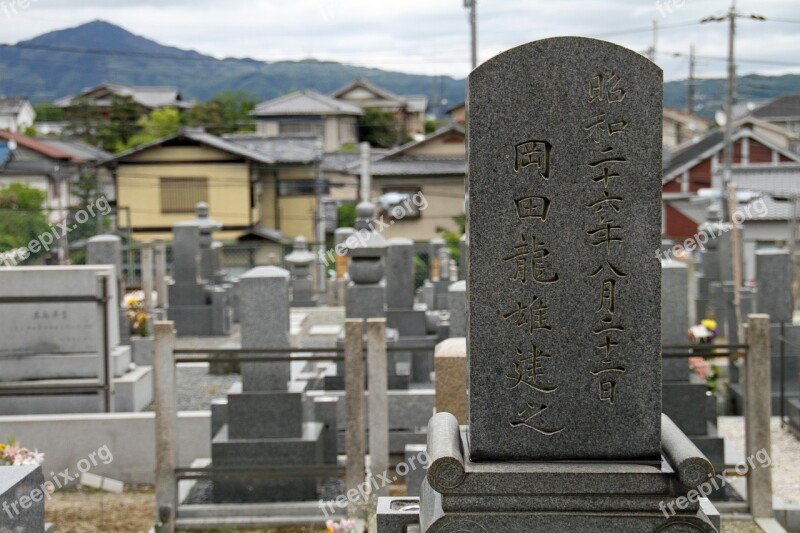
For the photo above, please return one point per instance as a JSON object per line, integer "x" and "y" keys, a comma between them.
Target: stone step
{"x": 22, "y": 367}
{"x": 133, "y": 391}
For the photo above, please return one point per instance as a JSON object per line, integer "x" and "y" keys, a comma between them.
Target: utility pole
{"x": 690, "y": 87}
{"x": 472, "y": 5}
{"x": 730, "y": 97}
{"x": 655, "y": 42}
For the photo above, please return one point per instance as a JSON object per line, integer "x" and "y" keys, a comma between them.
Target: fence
{"x": 172, "y": 513}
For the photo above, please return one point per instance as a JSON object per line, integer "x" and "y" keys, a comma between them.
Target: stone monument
{"x": 199, "y": 303}
{"x": 565, "y": 427}
{"x": 300, "y": 261}
{"x": 263, "y": 423}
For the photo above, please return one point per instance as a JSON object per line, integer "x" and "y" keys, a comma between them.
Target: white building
{"x": 16, "y": 113}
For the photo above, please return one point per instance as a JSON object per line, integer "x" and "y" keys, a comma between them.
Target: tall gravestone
{"x": 683, "y": 393}
{"x": 564, "y": 214}
{"x": 107, "y": 250}
{"x": 565, "y": 427}
{"x": 199, "y": 304}
{"x": 264, "y": 424}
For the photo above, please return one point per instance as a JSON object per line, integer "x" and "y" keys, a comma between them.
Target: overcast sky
{"x": 429, "y": 36}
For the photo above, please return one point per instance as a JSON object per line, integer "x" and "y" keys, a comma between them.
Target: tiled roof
{"x": 284, "y": 149}
{"x": 305, "y": 103}
{"x": 11, "y": 105}
{"x": 203, "y": 138}
{"x": 76, "y": 147}
{"x": 37, "y": 146}
{"x": 787, "y": 106}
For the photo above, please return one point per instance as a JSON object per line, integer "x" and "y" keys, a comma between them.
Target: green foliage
{"x": 431, "y": 126}
{"x": 347, "y": 215}
{"x": 47, "y": 112}
{"x": 161, "y": 123}
{"x": 227, "y": 112}
{"x": 21, "y": 216}
{"x": 453, "y": 238}
{"x": 113, "y": 133}
{"x": 348, "y": 148}
{"x": 379, "y": 128}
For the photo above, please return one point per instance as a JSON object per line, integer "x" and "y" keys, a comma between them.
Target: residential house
{"x": 698, "y": 166}
{"x": 769, "y": 223}
{"x": 783, "y": 111}
{"x": 458, "y": 113}
{"x": 148, "y": 98}
{"x": 409, "y": 110}
{"x": 309, "y": 112}
{"x": 250, "y": 183}
{"x": 27, "y": 160}
{"x": 434, "y": 168}
{"x": 681, "y": 127}
{"x": 16, "y": 113}
{"x": 89, "y": 157}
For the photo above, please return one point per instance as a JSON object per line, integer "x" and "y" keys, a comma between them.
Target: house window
{"x": 295, "y": 127}
{"x": 181, "y": 195}
{"x": 397, "y": 203}
{"x": 301, "y": 187}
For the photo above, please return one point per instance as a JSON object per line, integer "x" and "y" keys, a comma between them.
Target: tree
{"x": 21, "y": 216}
{"x": 379, "y": 128}
{"x": 86, "y": 121}
{"x": 226, "y": 112}
{"x": 161, "y": 123}
{"x": 452, "y": 238}
{"x": 47, "y": 112}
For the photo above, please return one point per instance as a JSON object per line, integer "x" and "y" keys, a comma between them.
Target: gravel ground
{"x": 740, "y": 526}
{"x": 785, "y": 455}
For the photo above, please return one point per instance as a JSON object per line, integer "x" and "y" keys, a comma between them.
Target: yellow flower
{"x": 2, "y": 446}
{"x": 709, "y": 323}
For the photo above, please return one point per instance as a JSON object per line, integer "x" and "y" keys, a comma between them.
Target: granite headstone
{"x": 564, "y": 225}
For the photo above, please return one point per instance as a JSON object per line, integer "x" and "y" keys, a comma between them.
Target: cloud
{"x": 428, "y": 36}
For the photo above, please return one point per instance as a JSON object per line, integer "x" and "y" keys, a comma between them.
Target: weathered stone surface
{"x": 57, "y": 327}
{"x": 105, "y": 250}
{"x": 264, "y": 304}
{"x": 400, "y": 274}
{"x": 457, "y": 299}
{"x": 451, "y": 378}
{"x": 564, "y": 225}
{"x": 774, "y": 277}
{"x": 21, "y": 499}
{"x": 674, "y": 316}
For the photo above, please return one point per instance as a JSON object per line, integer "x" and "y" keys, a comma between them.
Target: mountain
{"x": 67, "y": 61}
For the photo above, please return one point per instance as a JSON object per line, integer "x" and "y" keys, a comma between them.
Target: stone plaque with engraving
{"x": 564, "y": 280}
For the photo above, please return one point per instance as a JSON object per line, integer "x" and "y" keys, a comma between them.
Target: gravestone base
{"x": 552, "y": 496}
{"x": 200, "y": 321}
{"x": 365, "y": 300}
{"x": 685, "y": 402}
{"x": 306, "y": 449}
{"x": 408, "y": 322}
{"x": 133, "y": 392}
{"x": 793, "y": 413}
{"x": 23, "y": 367}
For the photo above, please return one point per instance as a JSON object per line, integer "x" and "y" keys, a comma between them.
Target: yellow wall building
{"x": 247, "y": 182}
